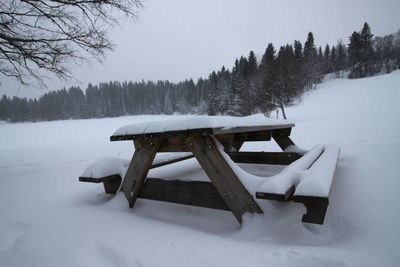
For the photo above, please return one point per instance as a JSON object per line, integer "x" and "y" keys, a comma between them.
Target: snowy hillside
{"x": 48, "y": 218}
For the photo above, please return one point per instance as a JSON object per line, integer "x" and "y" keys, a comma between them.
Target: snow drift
{"x": 48, "y": 218}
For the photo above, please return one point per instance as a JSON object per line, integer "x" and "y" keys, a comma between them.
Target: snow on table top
{"x": 199, "y": 122}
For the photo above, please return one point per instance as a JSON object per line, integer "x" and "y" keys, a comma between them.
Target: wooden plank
{"x": 245, "y": 129}
{"x": 163, "y": 135}
{"x": 112, "y": 186}
{"x": 173, "y": 144}
{"x": 111, "y": 183}
{"x": 99, "y": 179}
{"x": 281, "y": 137}
{"x": 194, "y": 193}
{"x": 228, "y": 185}
{"x": 246, "y": 137}
{"x": 199, "y": 132}
{"x": 138, "y": 168}
{"x": 278, "y": 158}
{"x": 279, "y": 197}
{"x": 237, "y": 144}
{"x": 170, "y": 161}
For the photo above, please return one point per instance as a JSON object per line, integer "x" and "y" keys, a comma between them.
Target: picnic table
{"x": 215, "y": 142}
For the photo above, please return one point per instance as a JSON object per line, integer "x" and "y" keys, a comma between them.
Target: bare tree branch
{"x": 45, "y": 36}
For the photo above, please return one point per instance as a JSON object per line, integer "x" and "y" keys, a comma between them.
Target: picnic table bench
{"x": 215, "y": 142}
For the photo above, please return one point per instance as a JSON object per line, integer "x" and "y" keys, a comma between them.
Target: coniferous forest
{"x": 251, "y": 86}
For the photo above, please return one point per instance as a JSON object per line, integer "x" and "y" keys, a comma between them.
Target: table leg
{"x": 282, "y": 138}
{"x": 145, "y": 151}
{"x": 224, "y": 179}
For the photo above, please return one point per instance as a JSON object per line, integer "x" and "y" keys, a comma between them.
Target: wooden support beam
{"x": 316, "y": 208}
{"x": 277, "y": 158}
{"x": 111, "y": 183}
{"x": 156, "y": 165}
{"x": 228, "y": 185}
{"x": 173, "y": 145}
{"x": 279, "y": 197}
{"x": 145, "y": 151}
{"x": 194, "y": 193}
{"x": 281, "y": 137}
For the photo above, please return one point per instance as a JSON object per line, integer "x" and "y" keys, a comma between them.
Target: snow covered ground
{"x": 48, "y": 218}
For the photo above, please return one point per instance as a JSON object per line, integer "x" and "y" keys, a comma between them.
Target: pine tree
{"x": 366, "y": 42}
{"x": 312, "y": 66}
{"x": 354, "y": 48}
{"x": 327, "y": 59}
{"x": 268, "y": 77}
{"x": 252, "y": 64}
{"x": 333, "y": 59}
{"x": 341, "y": 56}
{"x": 310, "y": 51}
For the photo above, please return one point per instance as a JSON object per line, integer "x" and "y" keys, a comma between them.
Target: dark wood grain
{"x": 138, "y": 168}
{"x": 279, "y": 197}
{"x": 316, "y": 208}
{"x": 228, "y": 185}
{"x": 194, "y": 193}
{"x": 277, "y": 158}
{"x": 281, "y": 137}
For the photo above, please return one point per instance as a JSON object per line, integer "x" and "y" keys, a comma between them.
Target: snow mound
{"x": 106, "y": 167}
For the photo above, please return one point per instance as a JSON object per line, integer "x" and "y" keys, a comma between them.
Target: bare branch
{"x": 44, "y": 36}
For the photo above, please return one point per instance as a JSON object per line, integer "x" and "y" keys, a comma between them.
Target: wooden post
{"x": 145, "y": 151}
{"x": 224, "y": 179}
{"x": 281, "y": 137}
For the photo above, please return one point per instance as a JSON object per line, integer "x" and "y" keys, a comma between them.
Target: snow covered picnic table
{"x": 215, "y": 142}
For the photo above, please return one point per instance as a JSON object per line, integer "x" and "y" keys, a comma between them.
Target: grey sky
{"x": 179, "y": 39}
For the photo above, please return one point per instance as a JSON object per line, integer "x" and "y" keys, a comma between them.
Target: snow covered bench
{"x": 110, "y": 170}
{"x": 307, "y": 180}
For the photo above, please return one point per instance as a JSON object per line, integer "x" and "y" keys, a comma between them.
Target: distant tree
{"x": 4, "y": 107}
{"x": 341, "y": 57}
{"x": 361, "y": 53}
{"x": 310, "y": 51}
{"x": 212, "y": 100}
{"x": 312, "y": 66}
{"x": 278, "y": 102}
{"x": 252, "y": 64}
{"x": 48, "y": 35}
{"x": 320, "y": 54}
{"x": 386, "y": 51}
{"x": 327, "y": 59}
{"x": 268, "y": 77}
{"x": 354, "y": 48}
{"x": 298, "y": 50}
{"x": 334, "y": 59}
{"x": 366, "y": 42}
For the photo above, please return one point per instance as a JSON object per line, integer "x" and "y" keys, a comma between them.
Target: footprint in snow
{"x": 114, "y": 257}
{"x": 12, "y": 236}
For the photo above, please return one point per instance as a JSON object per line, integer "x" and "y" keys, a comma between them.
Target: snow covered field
{"x": 48, "y": 218}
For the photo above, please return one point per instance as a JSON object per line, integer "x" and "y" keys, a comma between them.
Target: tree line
{"x": 251, "y": 86}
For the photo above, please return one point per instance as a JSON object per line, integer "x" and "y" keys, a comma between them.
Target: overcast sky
{"x": 180, "y": 39}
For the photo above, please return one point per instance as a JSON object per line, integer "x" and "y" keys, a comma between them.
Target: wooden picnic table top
{"x": 197, "y": 126}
